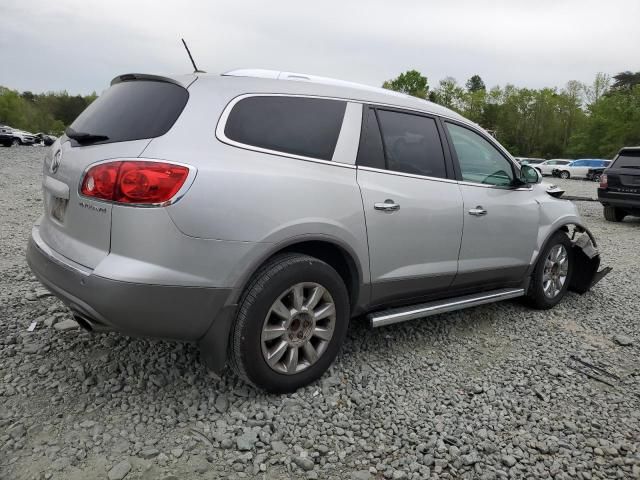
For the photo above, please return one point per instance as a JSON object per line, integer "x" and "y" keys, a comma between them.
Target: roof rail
{"x": 281, "y": 75}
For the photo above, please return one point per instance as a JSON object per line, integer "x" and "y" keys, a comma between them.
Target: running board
{"x": 402, "y": 314}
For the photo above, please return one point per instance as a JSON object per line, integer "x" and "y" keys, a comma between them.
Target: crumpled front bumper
{"x": 587, "y": 261}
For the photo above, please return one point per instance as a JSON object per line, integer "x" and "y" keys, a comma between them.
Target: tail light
{"x": 134, "y": 181}
{"x": 604, "y": 181}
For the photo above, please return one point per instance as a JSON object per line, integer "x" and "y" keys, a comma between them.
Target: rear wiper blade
{"x": 84, "y": 137}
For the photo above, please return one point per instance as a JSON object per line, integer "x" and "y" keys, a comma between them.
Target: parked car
{"x": 6, "y": 136}
{"x": 529, "y": 161}
{"x": 21, "y": 137}
{"x": 44, "y": 139}
{"x": 619, "y": 190}
{"x": 312, "y": 201}
{"x": 579, "y": 168}
{"x": 594, "y": 174}
{"x": 548, "y": 166}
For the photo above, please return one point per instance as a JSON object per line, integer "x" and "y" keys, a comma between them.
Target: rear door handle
{"x": 478, "y": 211}
{"x": 388, "y": 206}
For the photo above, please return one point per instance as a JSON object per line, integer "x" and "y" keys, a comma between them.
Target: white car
{"x": 20, "y": 137}
{"x": 548, "y": 166}
{"x": 579, "y": 168}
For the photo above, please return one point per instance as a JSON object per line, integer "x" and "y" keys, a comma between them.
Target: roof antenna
{"x": 195, "y": 68}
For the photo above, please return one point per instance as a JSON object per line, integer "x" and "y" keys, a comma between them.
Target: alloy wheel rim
{"x": 556, "y": 269}
{"x": 298, "y": 328}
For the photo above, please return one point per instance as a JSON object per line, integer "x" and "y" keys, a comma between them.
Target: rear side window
{"x": 133, "y": 110}
{"x": 412, "y": 144}
{"x": 628, "y": 159}
{"x": 371, "y": 152}
{"x": 295, "y": 125}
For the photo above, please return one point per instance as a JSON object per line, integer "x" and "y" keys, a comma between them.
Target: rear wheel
{"x": 291, "y": 322}
{"x": 564, "y": 174}
{"x": 596, "y": 177}
{"x": 16, "y": 142}
{"x": 613, "y": 214}
{"x": 552, "y": 274}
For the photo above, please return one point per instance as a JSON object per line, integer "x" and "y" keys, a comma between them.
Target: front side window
{"x": 412, "y": 144}
{"x": 479, "y": 160}
{"x": 302, "y": 126}
{"x": 579, "y": 163}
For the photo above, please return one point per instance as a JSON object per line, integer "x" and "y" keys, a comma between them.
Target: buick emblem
{"x": 55, "y": 163}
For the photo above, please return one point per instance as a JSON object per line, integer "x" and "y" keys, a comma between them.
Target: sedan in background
{"x": 548, "y": 166}
{"x": 579, "y": 168}
{"x": 20, "y": 137}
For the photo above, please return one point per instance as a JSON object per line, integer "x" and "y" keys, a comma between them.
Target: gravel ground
{"x": 499, "y": 391}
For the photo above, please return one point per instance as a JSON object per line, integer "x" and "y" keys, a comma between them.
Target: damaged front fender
{"x": 587, "y": 261}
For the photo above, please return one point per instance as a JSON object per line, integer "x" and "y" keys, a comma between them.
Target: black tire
{"x": 564, "y": 175}
{"x": 536, "y": 297}
{"x": 267, "y": 285}
{"x": 596, "y": 177}
{"x": 613, "y": 214}
{"x": 16, "y": 142}
{"x": 8, "y": 143}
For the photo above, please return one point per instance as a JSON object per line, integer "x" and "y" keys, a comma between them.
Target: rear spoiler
{"x": 128, "y": 77}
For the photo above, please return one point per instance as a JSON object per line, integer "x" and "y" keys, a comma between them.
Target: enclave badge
{"x": 55, "y": 163}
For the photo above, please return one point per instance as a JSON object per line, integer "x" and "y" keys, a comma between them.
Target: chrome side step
{"x": 402, "y": 314}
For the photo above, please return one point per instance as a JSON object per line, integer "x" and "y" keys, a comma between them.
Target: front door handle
{"x": 478, "y": 211}
{"x": 388, "y": 206}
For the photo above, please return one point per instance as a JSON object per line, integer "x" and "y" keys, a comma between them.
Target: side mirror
{"x": 528, "y": 174}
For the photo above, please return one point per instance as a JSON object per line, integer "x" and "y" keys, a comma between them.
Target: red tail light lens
{"x": 604, "y": 181}
{"x": 134, "y": 182}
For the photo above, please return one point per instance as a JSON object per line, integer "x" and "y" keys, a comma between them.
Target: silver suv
{"x": 256, "y": 212}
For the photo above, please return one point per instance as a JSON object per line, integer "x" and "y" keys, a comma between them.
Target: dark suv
{"x": 619, "y": 190}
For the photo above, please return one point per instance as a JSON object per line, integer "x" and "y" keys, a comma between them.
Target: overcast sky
{"x": 80, "y": 45}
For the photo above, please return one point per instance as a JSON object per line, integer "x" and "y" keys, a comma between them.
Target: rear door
{"x": 413, "y": 207}
{"x": 500, "y": 221}
{"x": 128, "y": 114}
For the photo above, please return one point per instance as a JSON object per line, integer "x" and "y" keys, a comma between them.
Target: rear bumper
{"x": 619, "y": 199}
{"x": 139, "y": 309}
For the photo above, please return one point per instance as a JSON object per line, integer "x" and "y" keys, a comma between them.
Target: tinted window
{"x": 412, "y": 144}
{"x": 629, "y": 159}
{"x": 294, "y": 125}
{"x": 480, "y": 161}
{"x": 579, "y": 163}
{"x": 370, "y": 152}
{"x": 133, "y": 110}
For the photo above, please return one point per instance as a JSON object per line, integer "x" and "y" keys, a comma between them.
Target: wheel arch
{"x": 329, "y": 249}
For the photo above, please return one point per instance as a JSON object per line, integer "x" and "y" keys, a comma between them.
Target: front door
{"x": 412, "y": 209}
{"x": 500, "y": 221}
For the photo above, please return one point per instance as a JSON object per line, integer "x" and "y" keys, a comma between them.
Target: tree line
{"x": 49, "y": 112}
{"x": 578, "y": 120}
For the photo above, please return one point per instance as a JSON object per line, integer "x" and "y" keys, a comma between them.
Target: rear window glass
{"x": 295, "y": 125}
{"x": 371, "y": 152}
{"x": 133, "y": 110}
{"x": 412, "y": 144}
{"x": 628, "y": 160}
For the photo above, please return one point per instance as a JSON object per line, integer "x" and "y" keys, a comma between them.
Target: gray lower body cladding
{"x": 175, "y": 312}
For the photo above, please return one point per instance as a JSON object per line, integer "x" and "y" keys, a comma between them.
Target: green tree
{"x": 625, "y": 81}
{"x": 412, "y": 82}
{"x": 475, "y": 84}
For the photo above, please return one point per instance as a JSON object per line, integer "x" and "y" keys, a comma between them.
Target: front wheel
{"x": 291, "y": 322}
{"x": 596, "y": 177}
{"x": 16, "y": 142}
{"x": 552, "y": 273}
{"x": 564, "y": 175}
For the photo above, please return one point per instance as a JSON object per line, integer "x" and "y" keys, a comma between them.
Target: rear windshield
{"x": 293, "y": 125}
{"x": 133, "y": 110}
{"x": 628, "y": 160}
